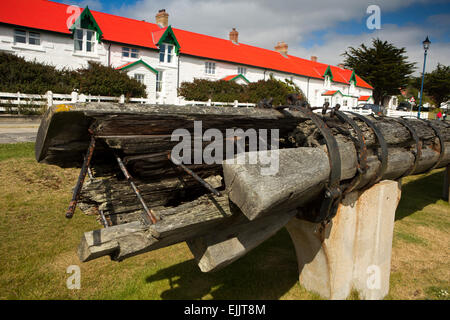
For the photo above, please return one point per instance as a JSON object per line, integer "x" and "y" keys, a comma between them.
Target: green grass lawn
{"x": 37, "y": 244}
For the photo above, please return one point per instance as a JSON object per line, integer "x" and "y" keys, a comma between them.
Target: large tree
{"x": 383, "y": 65}
{"x": 437, "y": 84}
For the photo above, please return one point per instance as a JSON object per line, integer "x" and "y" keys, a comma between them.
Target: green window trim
{"x": 332, "y": 95}
{"x": 328, "y": 73}
{"x": 240, "y": 76}
{"x": 140, "y": 62}
{"x": 353, "y": 78}
{"x": 87, "y": 21}
{"x": 169, "y": 37}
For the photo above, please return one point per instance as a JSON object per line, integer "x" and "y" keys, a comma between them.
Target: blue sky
{"x": 324, "y": 28}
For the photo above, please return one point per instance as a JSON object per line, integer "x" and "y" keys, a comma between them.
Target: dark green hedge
{"x": 18, "y": 75}
{"x": 228, "y": 91}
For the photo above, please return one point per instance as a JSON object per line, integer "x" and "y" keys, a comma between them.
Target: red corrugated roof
{"x": 329, "y": 93}
{"x": 125, "y": 65}
{"x": 228, "y": 78}
{"x": 52, "y": 16}
{"x": 364, "y": 98}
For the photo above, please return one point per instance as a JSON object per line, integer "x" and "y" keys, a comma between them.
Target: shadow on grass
{"x": 419, "y": 193}
{"x": 267, "y": 272}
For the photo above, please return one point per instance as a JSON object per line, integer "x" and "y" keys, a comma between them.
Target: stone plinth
{"x": 354, "y": 250}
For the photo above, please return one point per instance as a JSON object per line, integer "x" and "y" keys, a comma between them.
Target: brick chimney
{"x": 162, "y": 18}
{"x": 314, "y": 58}
{"x": 282, "y": 48}
{"x": 234, "y": 35}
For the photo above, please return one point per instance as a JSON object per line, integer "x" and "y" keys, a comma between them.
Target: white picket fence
{"x": 210, "y": 103}
{"x": 406, "y": 114}
{"x": 389, "y": 113}
{"x": 49, "y": 99}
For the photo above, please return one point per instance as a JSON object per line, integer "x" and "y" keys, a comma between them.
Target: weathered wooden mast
{"x": 251, "y": 207}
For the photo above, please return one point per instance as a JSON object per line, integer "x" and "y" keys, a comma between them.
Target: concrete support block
{"x": 354, "y": 250}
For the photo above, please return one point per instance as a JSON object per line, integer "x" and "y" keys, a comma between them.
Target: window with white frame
{"x": 166, "y": 53}
{"x": 394, "y": 101}
{"x": 327, "y": 100}
{"x": 159, "y": 81}
{"x": 242, "y": 70}
{"x": 130, "y": 53}
{"x": 327, "y": 82}
{"x": 139, "y": 77}
{"x": 352, "y": 86}
{"x": 345, "y": 103}
{"x": 84, "y": 40}
{"x": 27, "y": 37}
{"x": 210, "y": 67}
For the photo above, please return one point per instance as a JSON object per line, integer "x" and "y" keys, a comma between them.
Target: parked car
{"x": 377, "y": 109}
{"x": 404, "y": 106}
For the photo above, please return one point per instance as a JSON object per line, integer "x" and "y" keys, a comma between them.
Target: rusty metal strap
{"x": 84, "y": 170}
{"x": 149, "y": 217}
{"x": 383, "y": 157}
{"x": 418, "y": 152}
{"x": 333, "y": 193}
{"x": 441, "y": 143}
{"x": 195, "y": 176}
{"x": 361, "y": 146}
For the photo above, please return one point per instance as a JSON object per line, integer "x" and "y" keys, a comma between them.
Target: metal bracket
{"x": 383, "y": 145}
{"x": 418, "y": 152}
{"x": 441, "y": 143}
{"x": 361, "y": 146}
{"x": 332, "y": 194}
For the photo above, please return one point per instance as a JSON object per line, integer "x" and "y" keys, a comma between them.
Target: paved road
{"x": 18, "y": 130}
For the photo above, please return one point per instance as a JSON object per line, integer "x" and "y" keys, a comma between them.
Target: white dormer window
{"x": 166, "y": 53}
{"x": 352, "y": 86}
{"x": 242, "y": 70}
{"x": 327, "y": 82}
{"x": 84, "y": 40}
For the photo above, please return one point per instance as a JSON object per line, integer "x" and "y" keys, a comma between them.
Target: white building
{"x": 160, "y": 56}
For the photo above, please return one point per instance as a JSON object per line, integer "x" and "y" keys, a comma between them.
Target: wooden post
{"x": 74, "y": 97}
{"x": 49, "y": 99}
{"x": 18, "y": 102}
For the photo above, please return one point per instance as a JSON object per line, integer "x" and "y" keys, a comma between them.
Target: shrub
{"x": 228, "y": 91}
{"x": 202, "y": 90}
{"x": 107, "y": 81}
{"x": 272, "y": 88}
{"x": 17, "y": 74}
